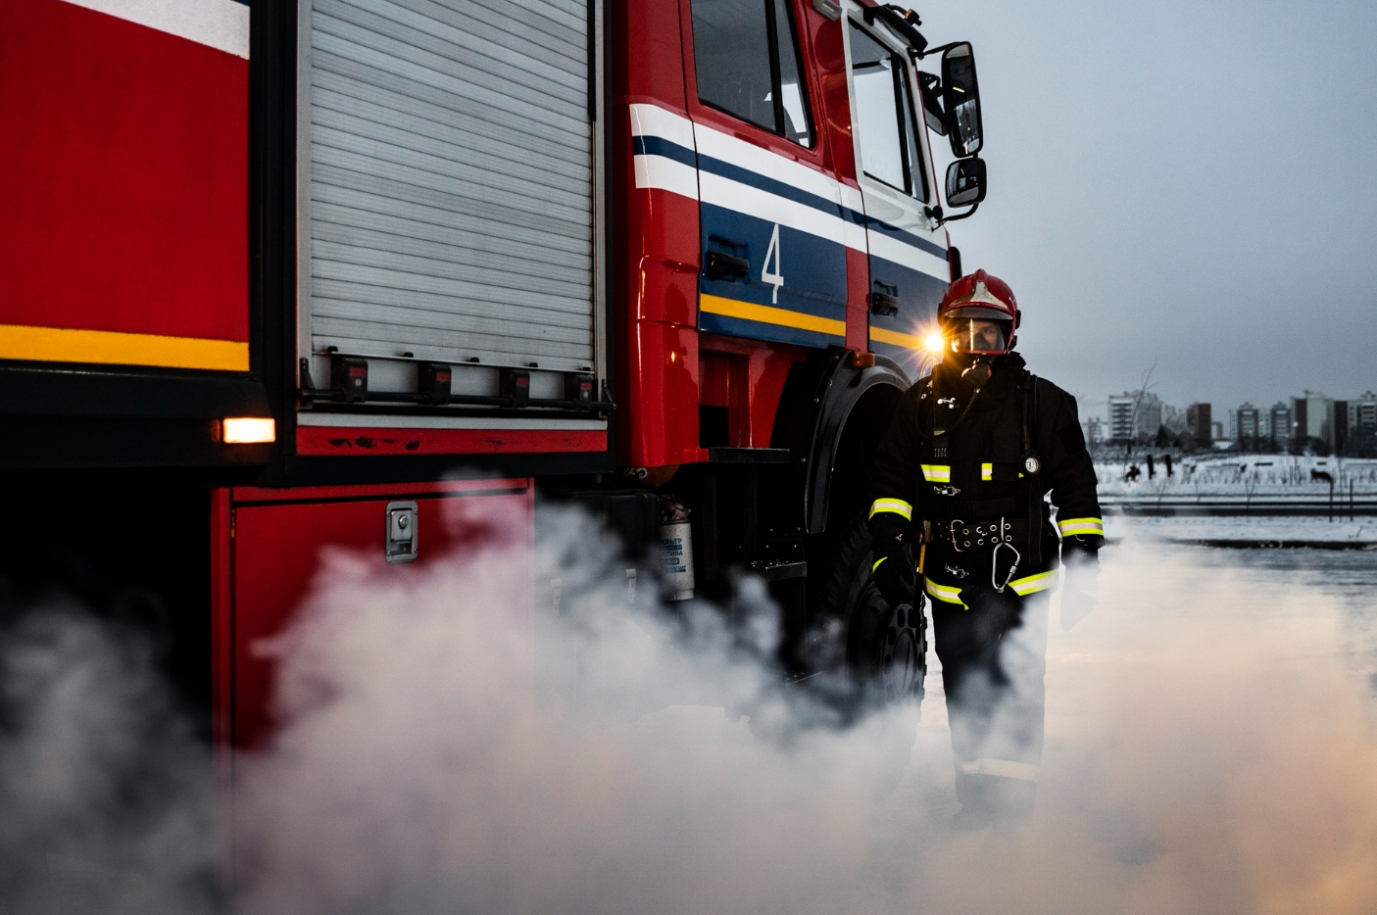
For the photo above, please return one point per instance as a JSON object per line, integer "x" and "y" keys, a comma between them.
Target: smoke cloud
{"x": 1210, "y": 748}
{"x": 105, "y": 795}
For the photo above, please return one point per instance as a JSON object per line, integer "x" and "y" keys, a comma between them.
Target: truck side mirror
{"x": 961, "y": 99}
{"x": 965, "y": 182}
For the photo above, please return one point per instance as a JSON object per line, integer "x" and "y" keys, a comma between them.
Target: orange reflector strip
{"x": 247, "y": 430}
{"x": 768, "y": 314}
{"x": 61, "y": 344}
{"x": 894, "y": 338}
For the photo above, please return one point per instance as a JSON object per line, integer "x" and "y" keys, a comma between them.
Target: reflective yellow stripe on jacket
{"x": 1073, "y": 526}
{"x": 1034, "y": 583}
{"x": 936, "y": 473}
{"x": 1031, "y": 584}
{"x": 897, "y": 506}
{"x": 987, "y": 472}
{"x": 947, "y": 594}
{"x": 1001, "y": 768}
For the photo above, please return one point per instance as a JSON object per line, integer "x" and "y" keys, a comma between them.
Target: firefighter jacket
{"x": 968, "y": 468}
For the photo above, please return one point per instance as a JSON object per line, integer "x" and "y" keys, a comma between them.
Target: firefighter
{"x": 961, "y": 476}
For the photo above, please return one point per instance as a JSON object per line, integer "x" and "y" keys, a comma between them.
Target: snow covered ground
{"x": 1257, "y": 484}
{"x": 1260, "y": 475}
{"x": 1248, "y": 531}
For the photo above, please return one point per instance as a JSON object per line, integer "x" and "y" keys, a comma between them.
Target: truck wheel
{"x": 880, "y": 650}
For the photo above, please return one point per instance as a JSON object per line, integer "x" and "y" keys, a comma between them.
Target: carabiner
{"x": 994, "y": 566}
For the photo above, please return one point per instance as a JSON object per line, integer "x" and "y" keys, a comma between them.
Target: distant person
{"x": 1166, "y": 461}
{"x": 968, "y": 458}
{"x": 1151, "y": 471}
{"x": 1133, "y": 474}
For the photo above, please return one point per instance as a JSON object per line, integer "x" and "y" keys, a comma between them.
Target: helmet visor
{"x": 978, "y": 335}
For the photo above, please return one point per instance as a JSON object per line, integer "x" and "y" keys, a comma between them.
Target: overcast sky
{"x": 1194, "y": 183}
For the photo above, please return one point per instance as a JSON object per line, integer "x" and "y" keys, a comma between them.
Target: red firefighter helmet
{"x": 979, "y": 315}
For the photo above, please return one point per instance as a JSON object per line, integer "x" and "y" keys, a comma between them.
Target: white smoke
{"x": 105, "y": 796}
{"x": 443, "y": 749}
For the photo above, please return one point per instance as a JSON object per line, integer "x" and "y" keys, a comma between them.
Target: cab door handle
{"x": 722, "y": 266}
{"x": 884, "y": 300}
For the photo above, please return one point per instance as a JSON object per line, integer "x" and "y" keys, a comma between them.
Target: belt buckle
{"x": 952, "y": 535}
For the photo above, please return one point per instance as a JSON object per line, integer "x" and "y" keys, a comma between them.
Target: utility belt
{"x": 975, "y": 535}
{"x": 971, "y": 524}
{"x": 997, "y": 533}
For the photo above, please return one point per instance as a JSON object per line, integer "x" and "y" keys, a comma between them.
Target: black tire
{"x": 867, "y": 652}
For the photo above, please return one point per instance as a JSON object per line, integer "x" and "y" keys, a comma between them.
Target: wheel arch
{"x": 831, "y": 411}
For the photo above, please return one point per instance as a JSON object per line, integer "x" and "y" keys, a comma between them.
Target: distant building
{"x": 1217, "y": 430}
{"x": 1199, "y": 425}
{"x": 1361, "y": 422}
{"x": 1279, "y": 424}
{"x": 1245, "y": 423}
{"x": 1134, "y": 416}
{"x": 1362, "y": 412}
{"x": 1121, "y": 417}
{"x": 1095, "y": 430}
{"x": 1312, "y": 417}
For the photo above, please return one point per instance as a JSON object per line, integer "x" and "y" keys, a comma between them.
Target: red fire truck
{"x": 304, "y": 272}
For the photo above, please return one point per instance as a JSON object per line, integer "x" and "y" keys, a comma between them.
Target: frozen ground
{"x": 1248, "y": 531}
{"x": 1243, "y": 476}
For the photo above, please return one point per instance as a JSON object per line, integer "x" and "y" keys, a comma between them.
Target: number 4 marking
{"x": 776, "y": 278}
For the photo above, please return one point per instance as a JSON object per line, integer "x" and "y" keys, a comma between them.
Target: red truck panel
{"x": 748, "y": 379}
{"x": 275, "y": 539}
{"x": 124, "y": 172}
{"x": 336, "y": 440}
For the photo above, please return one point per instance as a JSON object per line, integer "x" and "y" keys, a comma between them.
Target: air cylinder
{"x": 676, "y": 551}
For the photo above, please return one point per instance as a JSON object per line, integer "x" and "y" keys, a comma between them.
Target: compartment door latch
{"x": 401, "y": 539}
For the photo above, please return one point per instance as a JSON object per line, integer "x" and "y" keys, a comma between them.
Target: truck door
{"x": 907, "y": 250}
{"x": 773, "y": 237}
{"x": 270, "y": 552}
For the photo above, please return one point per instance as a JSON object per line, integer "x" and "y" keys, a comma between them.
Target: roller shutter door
{"x": 449, "y": 204}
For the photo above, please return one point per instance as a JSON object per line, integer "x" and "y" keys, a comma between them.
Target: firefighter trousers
{"x": 993, "y": 660}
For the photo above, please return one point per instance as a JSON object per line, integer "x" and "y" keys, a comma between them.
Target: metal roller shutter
{"x": 449, "y": 181}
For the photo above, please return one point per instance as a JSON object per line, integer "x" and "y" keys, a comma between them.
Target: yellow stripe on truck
{"x": 108, "y": 347}
{"x": 767, "y": 314}
{"x": 894, "y": 338}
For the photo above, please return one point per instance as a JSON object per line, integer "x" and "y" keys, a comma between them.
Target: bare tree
{"x": 1144, "y": 385}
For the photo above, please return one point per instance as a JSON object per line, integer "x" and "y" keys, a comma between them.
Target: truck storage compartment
{"x": 270, "y": 549}
{"x": 448, "y": 191}
{"x": 269, "y": 545}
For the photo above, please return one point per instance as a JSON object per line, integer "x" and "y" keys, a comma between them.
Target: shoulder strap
{"x": 1029, "y": 389}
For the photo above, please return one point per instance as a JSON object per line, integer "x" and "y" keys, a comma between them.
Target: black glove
{"x": 895, "y": 572}
{"x": 1080, "y": 590}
